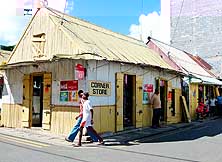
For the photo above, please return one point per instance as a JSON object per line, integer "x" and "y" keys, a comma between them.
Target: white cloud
{"x": 12, "y": 24}
{"x": 11, "y": 28}
{"x": 57, "y": 4}
{"x": 69, "y": 6}
{"x": 152, "y": 24}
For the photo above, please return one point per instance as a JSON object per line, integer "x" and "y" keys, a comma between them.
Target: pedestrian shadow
{"x": 120, "y": 143}
{"x": 209, "y": 129}
{"x": 109, "y": 143}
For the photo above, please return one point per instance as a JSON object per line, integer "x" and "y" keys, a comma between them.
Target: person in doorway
{"x": 87, "y": 120}
{"x": 75, "y": 130}
{"x": 207, "y": 107}
{"x": 155, "y": 101}
{"x": 212, "y": 106}
{"x": 219, "y": 105}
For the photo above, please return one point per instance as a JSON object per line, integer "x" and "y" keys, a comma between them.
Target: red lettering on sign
{"x": 148, "y": 88}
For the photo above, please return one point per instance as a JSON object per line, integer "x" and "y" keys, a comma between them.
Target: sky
{"x": 135, "y": 18}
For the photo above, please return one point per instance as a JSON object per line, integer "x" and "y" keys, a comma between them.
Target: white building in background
{"x": 196, "y": 28}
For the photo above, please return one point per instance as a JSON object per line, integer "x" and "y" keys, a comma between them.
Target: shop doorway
{"x": 129, "y": 101}
{"x": 185, "y": 91}
{"x": 37, "y": 101}
{"x": 201, "y": 93}
{"x": 162, "y": 86}
{"x": 163, "y": 98}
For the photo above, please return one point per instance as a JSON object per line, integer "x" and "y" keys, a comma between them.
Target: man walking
{"x": 155, "y": 101}
{"x": 87, "y": 120}
{"x": 75, "y": 129}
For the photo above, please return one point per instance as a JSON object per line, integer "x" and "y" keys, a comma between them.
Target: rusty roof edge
{"x": 34, "y": 62}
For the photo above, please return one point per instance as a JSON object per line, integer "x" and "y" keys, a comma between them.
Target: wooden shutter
{"x": 47, "y": 85}
{"x": 26, "y": 114}
{"x": 139, "y": 101}
{"x": 119, "y": 101}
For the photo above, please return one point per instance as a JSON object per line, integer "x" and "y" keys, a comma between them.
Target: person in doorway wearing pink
{"x": 87, "y": 120}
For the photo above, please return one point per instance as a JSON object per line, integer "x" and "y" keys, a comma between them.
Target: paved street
{"x": 201, "y": 143}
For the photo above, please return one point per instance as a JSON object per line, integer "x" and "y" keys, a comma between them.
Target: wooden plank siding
{"x": 63, "y": 118}
{"x": 56, "y": 42}
{"x": 139, "y": 101}
{"x": 178, "y": 109}
{"x": 119, "y": 101}
{"x": 147, "y": 115}
{"x": 193, "y": 100}
{"x": 11, "y": 115}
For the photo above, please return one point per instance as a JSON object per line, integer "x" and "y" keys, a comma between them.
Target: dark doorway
{"x": 128, "y": 101}
{"x": 185, "y": 91}
{"x": 37, "y": 101}
{"x": 163, "y": 99}
{"x": 201, "y": 93}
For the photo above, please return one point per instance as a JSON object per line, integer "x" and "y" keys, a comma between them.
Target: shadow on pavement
{"x": 208, "y": 129}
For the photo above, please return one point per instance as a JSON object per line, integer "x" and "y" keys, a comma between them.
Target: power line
{"x": 63, "y": 13}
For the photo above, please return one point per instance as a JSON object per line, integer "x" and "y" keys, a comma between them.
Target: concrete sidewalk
{"x": 37, "y": 134}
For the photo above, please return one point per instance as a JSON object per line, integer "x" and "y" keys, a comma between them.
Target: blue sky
{"x": 128, "y": 17}
{"x": 116, "y": 15}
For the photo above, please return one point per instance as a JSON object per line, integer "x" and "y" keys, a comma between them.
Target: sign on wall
{"x": 68, "y": 91}
{"x": 79, "y": 72}
{"x": 147, "y": 89}
{"x": 99, "y": 88}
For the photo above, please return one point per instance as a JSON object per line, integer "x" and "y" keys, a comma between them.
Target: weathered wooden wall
{"x": 178, "y": 109}
{"x": 63, "y": 114}
{"x": 147, "y": 115}
{"x": 11, "y": 115}
{"x": 193, "y": 100}
{"x": 63, "y": 119}
{"x": 56, "y": 41}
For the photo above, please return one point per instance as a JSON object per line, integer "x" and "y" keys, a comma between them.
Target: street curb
{"x": 191, "y": 125}
{"x": 123, "y": 136}
{"x": 141, "y": 136}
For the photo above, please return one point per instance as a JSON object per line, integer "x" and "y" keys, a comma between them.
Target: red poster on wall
{"x": 79, "y": 72}
{"x": 70, "y": 85}
{"x": 169, "y": 97}
{"x": 148, "y": 87}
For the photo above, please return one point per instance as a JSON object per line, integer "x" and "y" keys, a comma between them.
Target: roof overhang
{"x": 194, "y": 78}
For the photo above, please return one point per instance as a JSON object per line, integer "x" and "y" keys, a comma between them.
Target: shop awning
{"x": 202, "y": 79}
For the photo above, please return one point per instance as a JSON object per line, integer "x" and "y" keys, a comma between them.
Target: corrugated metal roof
{"x": 188, "y": 65}
{"x": 203, "y": 64}
{"x": 106, "y": 44}
{"x": 163, "y": 55}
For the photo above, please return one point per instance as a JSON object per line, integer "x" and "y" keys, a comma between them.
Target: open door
{"x": 157, "y": 84}
{"x": 26, "y": 102}
{"x": 37, "y": 100}
{"x": 139, "y": 101}
{"x": 170, "y": 100}
{"x": 162, "y": 86}
{"x": 119, "y": 101}
{"x": 129, "y": 99}
{"x": 46, "y": 116}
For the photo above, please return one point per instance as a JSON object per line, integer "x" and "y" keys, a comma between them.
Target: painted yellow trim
{"x": 23, "y": 141}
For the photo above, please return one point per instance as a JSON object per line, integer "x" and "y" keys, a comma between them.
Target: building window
{"x": 38, "y": 45}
